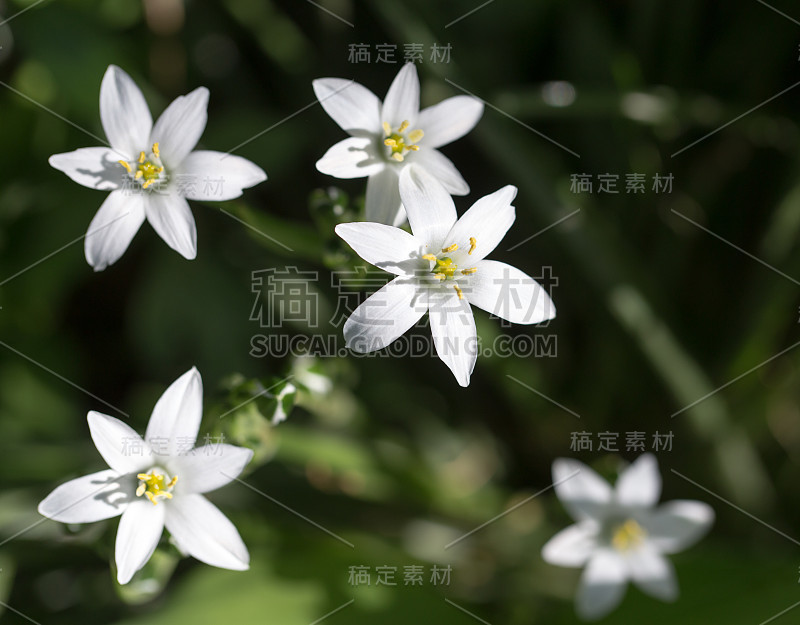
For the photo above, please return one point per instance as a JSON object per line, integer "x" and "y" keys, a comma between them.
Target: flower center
{"x": 399, "y": 142}
{"x": 628, "y": 536}
{"x": 146, "y": 169}
{"x": 444, "y": 268}
{"x": 154, "y": 486}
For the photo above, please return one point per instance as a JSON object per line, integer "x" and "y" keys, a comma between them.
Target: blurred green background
{"x": 389, "y": 453}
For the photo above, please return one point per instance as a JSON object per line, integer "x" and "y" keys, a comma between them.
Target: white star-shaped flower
{"x": 158, "y": 482}
{"x": 151, "y": 170}
{"x": 386, "y": 137}
{"x": 441, "y": 269}
{"x": 620, "y": 535}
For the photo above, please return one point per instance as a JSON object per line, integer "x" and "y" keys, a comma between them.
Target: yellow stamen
{"x": 153, "y": 487}
{"x": 138, "y": 174}
{"x": 390, "y": 143}
{"x": 628, "y": 535}
{"x": 403, "y": 126}
{"x": 125, "y": 165}
{"x": 451, "y": 248}
{"x": 398, "y": 157}
{"x": 155, "y": 150}
{"x": 415, "y": 135}
{"x": 387, "y": 128}
{"x": 142, "y": 156}
{"x": 459, "y": 291}
{"x": 469, "y": 271}
{"x": 415, "y": 148}
{"x": 440, "y": 276}
{"x": 147, "y": 183}
{"x": 430, "y": 257}
{"x": 473, "y": 243}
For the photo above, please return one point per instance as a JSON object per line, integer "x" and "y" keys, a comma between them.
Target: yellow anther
{"x": 469, "y": 271}
{"x": 125, "y": 165}
{"x": 398, "y": 157}
{"x": 415, "y": 148}
{"x": 390, "y": 142}
{"x": 440, "y": 276}
{"x": 153, "y": 487}
{"x": 138, "y": 174}
{"x": 473, "y": 243}
{"x": 155, "y": 150}
{"x": 403, "y": 126}
{"x": 387, "y": 128}
{"x": 459, "y": 291}
{"x": 415, "y": 135}
{"x": 451, "y": 248}
{"x": 147, "y": 183}
{"x": 142, "y": 156}
{"x": 628, "y": 535}
{"x": 429, "y": 257}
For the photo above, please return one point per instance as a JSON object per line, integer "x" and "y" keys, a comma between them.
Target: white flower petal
{"x": 653, "y": 574}
{"x": 454, "y": 334}
{"x": 113, "y": 227}
{"x": 95, "y": 168}
{"x": 639, "y": 485}
{"x": 203, "y": 532}
{"x": 449, "y": 120}
{"x": 402, "y": 100}
{"x": 430, "y": 209}
{"x": 384, "y": 316}
{"x": 383, "y": 203}
{"x": 353, "y": 157}
{"x": 215, "y": 176}
{"x": 351, "y": 105}
{"x": 175, "y": 420}
{"x": 208, "y": 467}
{"x": 140, "y": 529}
{"x": 386, "y": 247}
{"x": 123, "y": 112}
{"x": 172, "y": 219}
{"x": 441, "y": 168}
{"x": 90, "y": 498}
{"x": 487, "y": 221}
{"x": 180, "y": 127}
{"x": 121, "y": 447}
{"x": 572, "y": 546}
{"x": 602, "y": 585}
{"x": 508, "y": 293}
{"x": 676, "y": 525}
{"x": 583, "y": 493}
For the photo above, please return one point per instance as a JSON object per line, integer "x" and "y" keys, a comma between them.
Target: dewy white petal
{"x": 430, "y": 209}
{"x": 583, "y": 493}
{"x": 383, "y": 203}
{"x": 180, "y": 127}
{"x": 384, "y": 316}
{"x": 441, "y": 168}
{"x": 215, "y": 176}
{"x": 90, "y": 498}
{"x": 123, "y": 112}
{"x": 602, "y": 585}
{"x": 172, "y": 219}
{"x": 573, "y": 546}
{"x": 113, "y": 227}
{"x": 208, "y": 467}
{"x": 508, "y": 293}
{"x": 95, "y": 168}
{"x": 177, "y": 414}
{"x": 487, "y": 221}
{"x": 140, "y": 529}
{"x": 449, "y": 120}
{"x": 117, "y": 442}
{"x": 351, "y": 105}
{"x": 386, "y": 247}
{"x": 653, "y": 574}
{"x": 202, "y": 531}
{"x": 639, "y": 485}
{"x": 454, "y": 334}
{"x": 402, "y": 100}
{"x": 351, "y": 158}
{"x": 677, "y": 525}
